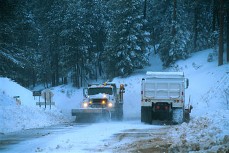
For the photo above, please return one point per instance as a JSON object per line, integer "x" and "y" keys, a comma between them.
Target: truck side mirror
{"x": 187, "y": 83}
{"x": 85, "y": 92}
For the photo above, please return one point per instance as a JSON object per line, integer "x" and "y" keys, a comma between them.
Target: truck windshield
{"x": 94, "y": 91}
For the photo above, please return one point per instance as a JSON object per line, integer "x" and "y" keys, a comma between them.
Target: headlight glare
{"x": 110, "y": 105}
{"x": 85, "y": 104}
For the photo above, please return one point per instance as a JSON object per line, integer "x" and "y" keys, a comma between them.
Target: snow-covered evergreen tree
{"x": 127, "y": 41}
{"x": 49, "y": 40}
{"x": 176, "y": 38}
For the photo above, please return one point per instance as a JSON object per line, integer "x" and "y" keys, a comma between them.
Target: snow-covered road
{"x": 89, "y": 137}
{"x": 122, "y": 137}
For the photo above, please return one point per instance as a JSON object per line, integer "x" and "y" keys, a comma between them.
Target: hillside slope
{"x": 208, "y": 87}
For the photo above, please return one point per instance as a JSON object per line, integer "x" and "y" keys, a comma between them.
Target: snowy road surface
{"x": 89, "y": 137}
{"x": 111, "y": 137}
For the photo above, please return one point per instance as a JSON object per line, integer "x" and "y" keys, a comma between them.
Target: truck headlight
{"x": 110, "y": 105}
{"x": 103, "y": 102}
{"x": 85, "y": 105}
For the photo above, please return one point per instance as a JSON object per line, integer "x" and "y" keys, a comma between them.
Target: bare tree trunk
{"x": 77, "y": 74}
{"x": 174, "y": 17}
{"x": 228, "y": 35}
{"x": 76, "y": 69}
{"x": 195, "y": 26}
{"x": 52, "y": 65}
{"x": 57, "y": 58}
{"x": 145, "y": 6}
{"x": 220, "y": 58}
{"x": 214, "y": 15}
{"x": 154, "y": 42}
{"x": 82, "y": 76}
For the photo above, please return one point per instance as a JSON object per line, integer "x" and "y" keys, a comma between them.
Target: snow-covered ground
{"x": 23, "y": 113}
{"x": 208, "y": 92}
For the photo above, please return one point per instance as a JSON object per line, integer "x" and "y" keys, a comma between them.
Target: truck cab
{"x": 99, "y": 96}
{"x": 104, "y": 100}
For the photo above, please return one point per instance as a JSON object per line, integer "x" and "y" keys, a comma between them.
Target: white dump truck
{"x": 163, "y": 97}
{"x": 101, "y": 101}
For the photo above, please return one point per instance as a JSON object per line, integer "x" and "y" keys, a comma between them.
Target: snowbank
{"x": 209, "y": 84}
{"x": 15, "y": 115}
{"x": 11, "y": 89}
{"x": 205, "y": 133}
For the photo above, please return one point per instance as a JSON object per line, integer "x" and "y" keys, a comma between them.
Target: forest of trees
{"x": 56, "y": 41}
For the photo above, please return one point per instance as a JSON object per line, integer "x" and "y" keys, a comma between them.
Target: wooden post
{"x": 50, "y": 99}
{"x": 45, "y": 99}
{"x": 220, "y": 56}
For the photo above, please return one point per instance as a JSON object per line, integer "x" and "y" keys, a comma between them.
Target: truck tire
{"x": 186, "y": 116}
{"x": 146, "y": 115}
{"x": 118, "y": 113}
{"x": 106, "y": 115}
{"x": 149, "y": 115}
{"x": 178, "y": 115}
{"x": 143, "y": 114}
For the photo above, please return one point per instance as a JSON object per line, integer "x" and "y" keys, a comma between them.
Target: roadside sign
{"x": 43, "y": 103}
{"x": 47, "y": 94}
{"x": 36, "y": 93}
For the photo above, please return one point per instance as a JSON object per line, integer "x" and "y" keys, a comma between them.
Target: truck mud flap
{"x": 178, "y": 115}
{"x": 186, "y": 115}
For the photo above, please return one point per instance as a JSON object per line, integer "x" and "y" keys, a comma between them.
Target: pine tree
{"x": 175, "y": 36}
{"x": 127, "y": 41}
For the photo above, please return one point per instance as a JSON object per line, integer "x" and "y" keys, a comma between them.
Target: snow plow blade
{"x": 91, "y": 114}
{"x": 76, "y": 112}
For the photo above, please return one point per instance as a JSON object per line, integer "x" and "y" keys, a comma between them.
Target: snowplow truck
{"x": 163, "y": 97}
{"x": 101, "y": 101}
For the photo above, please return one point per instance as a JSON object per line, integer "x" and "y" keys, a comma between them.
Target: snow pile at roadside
{"x": 209, "y": 84}
{"x": 206, "y": 133}
{"x": 11, "y": 89}
{"x": 15, "y": 115}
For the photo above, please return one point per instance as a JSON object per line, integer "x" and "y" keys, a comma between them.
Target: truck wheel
{"x": 106, "y": 115}
{"x": 118, "y": 113}
{"x": 120, "y": 116}
{"x": 149, "y": 115}
{"x": 178, "y": 115}
{"x": 146, "y": 115}
{"x": 143, "y": 114}
{"x": 186, "y": 116}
